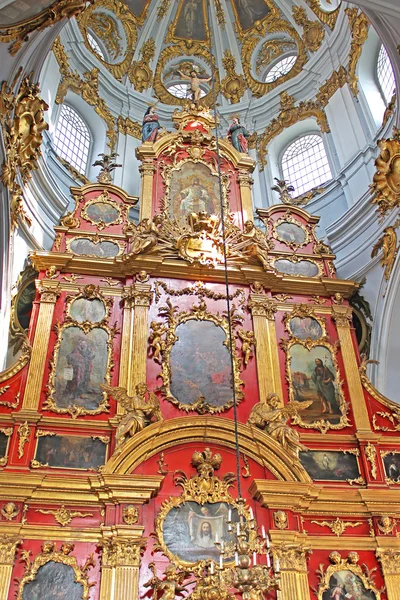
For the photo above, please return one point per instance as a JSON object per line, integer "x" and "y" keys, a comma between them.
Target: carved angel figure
{"x": 156, "y": 341}
{"x": 145, "y": 236}
{"x": 248, "y": 341}
{"x": 388, "y": 244}
{"x": 251, "y": 242}
{"x": 270, "y": 416}
{"x": 170, "y": 586}
{"x": 139, "y": 411}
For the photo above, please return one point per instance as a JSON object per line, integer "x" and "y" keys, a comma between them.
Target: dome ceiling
{"x": 251, "y": 45}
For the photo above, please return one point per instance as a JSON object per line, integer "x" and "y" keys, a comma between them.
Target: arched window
{"x": 182, "y": 90}
{"x": 305, "y": 163}
{"x": 280, "y": 68}
{"x": 94, "y": 44}
{"x": 385, "y": 75}
{"x": 72, "y": 138}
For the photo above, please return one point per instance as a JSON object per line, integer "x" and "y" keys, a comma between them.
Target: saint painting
{"x": 102, "y": 212}
{"x": 70, "y": 452}
{"x": 83, "y": 309}
{"x": 81, "y": 368}
{"x": 190, "y": 530}
{"x": 16, "y": 12}
{"x": 85, "y": 246}
{"x": 193, "y": 189}
{"x": 392, "y": 466}
{"x": 305, "y": 328}
{"x": 54, "y": 581}
{"x": 330, "y": 466}
{"x": 190, "y": 23}
{"x": 346, "y": 585}
{"x": 291, "y": 233}
{"x": 200, "y": 365}
{"x": 250, "y": 11}
{"x": 314, "y": 377}
{"x": 302, "y": 268}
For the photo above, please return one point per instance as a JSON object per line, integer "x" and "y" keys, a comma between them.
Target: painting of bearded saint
{"x": 190, "y": 530}
{"x": 345, "y": 585}
{"x": 54, "y": 581}
{"x": 250, "y": 11}
{"x": 314, "y": 377}
{"x": 81, "y": 368}
{"x": 193, "y": 189}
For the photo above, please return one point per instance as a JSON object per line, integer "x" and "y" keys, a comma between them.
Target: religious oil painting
{"x": 190, "y": 530}
{"x": 81, "y": 367}
{"x": 250, "y": 11}
{"x": 137, "y": 6}
{"x": 22, "y": 10}
{"x": 70, "y": 452}
{"x": 190, "y": 23}
{"x": 53, "y": 581}
{"x": 330, "y": 466}
{"x": 313, "y": 376}
{"x": 193, "y": 188}
{"x": 391, "y": 463}
{"x": 346, "y": 585}
{"x": 83, "y": 309}
{"x": 305, "y": 328}
{"x": 4, "y": 439}
{"x": 200, "y": 364}
{"x": 102, "y": 212}
{"x": 291, "y": 233}
{"x": 85, "y": 247}
{"x": 302, "y": 268}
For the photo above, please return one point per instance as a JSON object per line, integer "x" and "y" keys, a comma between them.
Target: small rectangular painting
{"x": 391, "y": 463}
{"x": 22, "y": 10}
{"x": 190, "y": 23}
{"x": 346, "y": 585}
{"x": 3, "y": 444}
{"x": 250, "y": 11}
{"x": 326, "y": 465}
{"x": 53, "y": 581}
{"x": 86, "y": 247}
{"x": 302, "y": 268}
{"x": 70, "y": 452}
{"x": 81, "y": 368}
{"x": 314, "y": 377}
{"x": 193, "y": 188}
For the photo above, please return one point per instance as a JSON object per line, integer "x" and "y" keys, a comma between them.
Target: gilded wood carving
{"x": 345, "y": 575}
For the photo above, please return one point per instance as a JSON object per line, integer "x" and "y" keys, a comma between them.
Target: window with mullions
{"x": 72, "y": 138}
{"x": 182, "y": 90}
{"x": 280, "y": 68}
{"x": 305, "y": 163}
{"x": 93, "y": 43}
{"x": 385, "y": 75}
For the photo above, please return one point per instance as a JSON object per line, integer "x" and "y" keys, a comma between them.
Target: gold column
{"x": 127, "y": 336}
{"x": 8, "y": 546}
{"x": 390, "y": 563}
{"x": 245, "y": 183}
{"x": 263, "y": 311}
{"x": 142, "y": 295}
{"x": 49, "y": 291}
{"x": 120, "y": 567}
{"x": 293, "y": 569}
{"x": 147, "y": 169}
{"x": 342, "y": 316}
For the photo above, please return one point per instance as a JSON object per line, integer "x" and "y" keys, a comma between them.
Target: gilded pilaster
{"x": 120, "y": 567}
{"x": 147, "y": 169}
{"x": 127, "y": 337}
{"x": 293, "y": 568}
{"x": 245, "y": 183}
{"x": 268, "y": 371}
{"x": 49, "y": 292}
{"x": 342, "y": 317}
{"x": 390, "y": 562}
{"x": 8, "y": 546}
{"x": 142, "y": 295}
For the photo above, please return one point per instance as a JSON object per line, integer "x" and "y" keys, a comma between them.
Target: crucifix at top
{"x": 194, "y": 84}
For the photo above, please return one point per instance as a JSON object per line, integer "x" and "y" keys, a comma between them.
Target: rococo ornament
{"x": 63, "y": 556}
{"x": 359, "y": 26}
{"x": 345, "y": 564}
{"x": 314, "y": 32}
{"x": 9, "y": 511}
{"x": 338, "y": 527}
{"x": 330, "y": 17}
{"x": 233, "y": 85}
{"x": 140, "y": 74}
{"x": 386, "y": 181}
{"x": 63, "y": 515}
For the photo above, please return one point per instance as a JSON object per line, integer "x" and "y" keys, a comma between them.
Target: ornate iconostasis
{"x": 188, "y": 415}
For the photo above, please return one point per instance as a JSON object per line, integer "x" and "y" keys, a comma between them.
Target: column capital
{"x": 342, "y": 315}
{"x": 261, "y": 306}
{"x": 8, "y": 547}
{"x": 147, "y": 168}
{"x": 122, "y": 551}
{"x": 291, "y": 557}
{"x": 390, "y": 561}
{"x": 49, "y": 291}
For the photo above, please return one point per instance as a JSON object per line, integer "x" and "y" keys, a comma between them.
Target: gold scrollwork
{"x": 202, "y": 488}
{"x": 103, "y": 198}
{"x": 23, "y": 435}
{"x": 105, "y": 27}
{"x": 386, "y": 180}
{"x": 359, "y": 25}
{"x": 62, "y": 556}
{"x": 289, "y": 115}
{"x": 198, "y": 289}
{"x": 174, "y": 318}
{"x": 394, "y": 415}
{"x": 128, "y": 127}
{"x": 370, "y": 453}
{"x": 233, "y": 85}
{"x": 345, "y": 564}
{"x": 8, "y": 431}
{"x": 75, "y": 410}
{"x": 322, "y": 425}
{"x": 288, "y": 218}
{"x": 314, "y": 32}
{"x": 338, "y": 527}
{"x": 58, "y": 11}
{"x": 63, "y": 515}
{"x": 336, "y": 81}
{"x": 140, "y": 74}
{"x": 329, "y": 18}
{"x": 302, "y": 311}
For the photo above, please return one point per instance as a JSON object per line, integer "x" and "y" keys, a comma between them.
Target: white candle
{"x": 238, "y": 529}
{"x": 222, "y": 545}
{"x": 251, "y": 513}
{"x": 221, "y": 561}
{"x": 268, "y": 542}
{"x": 263, "y": 532}
{"x": 236, "y": 558}
{"x": 277, "y": 566}
{"x": 268, "y": 561}
{"x": 254, "y": 558}
{"x": 230, "y": 514}
{"x": 216, "y": 537}
{"x": 212, "y": 568}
